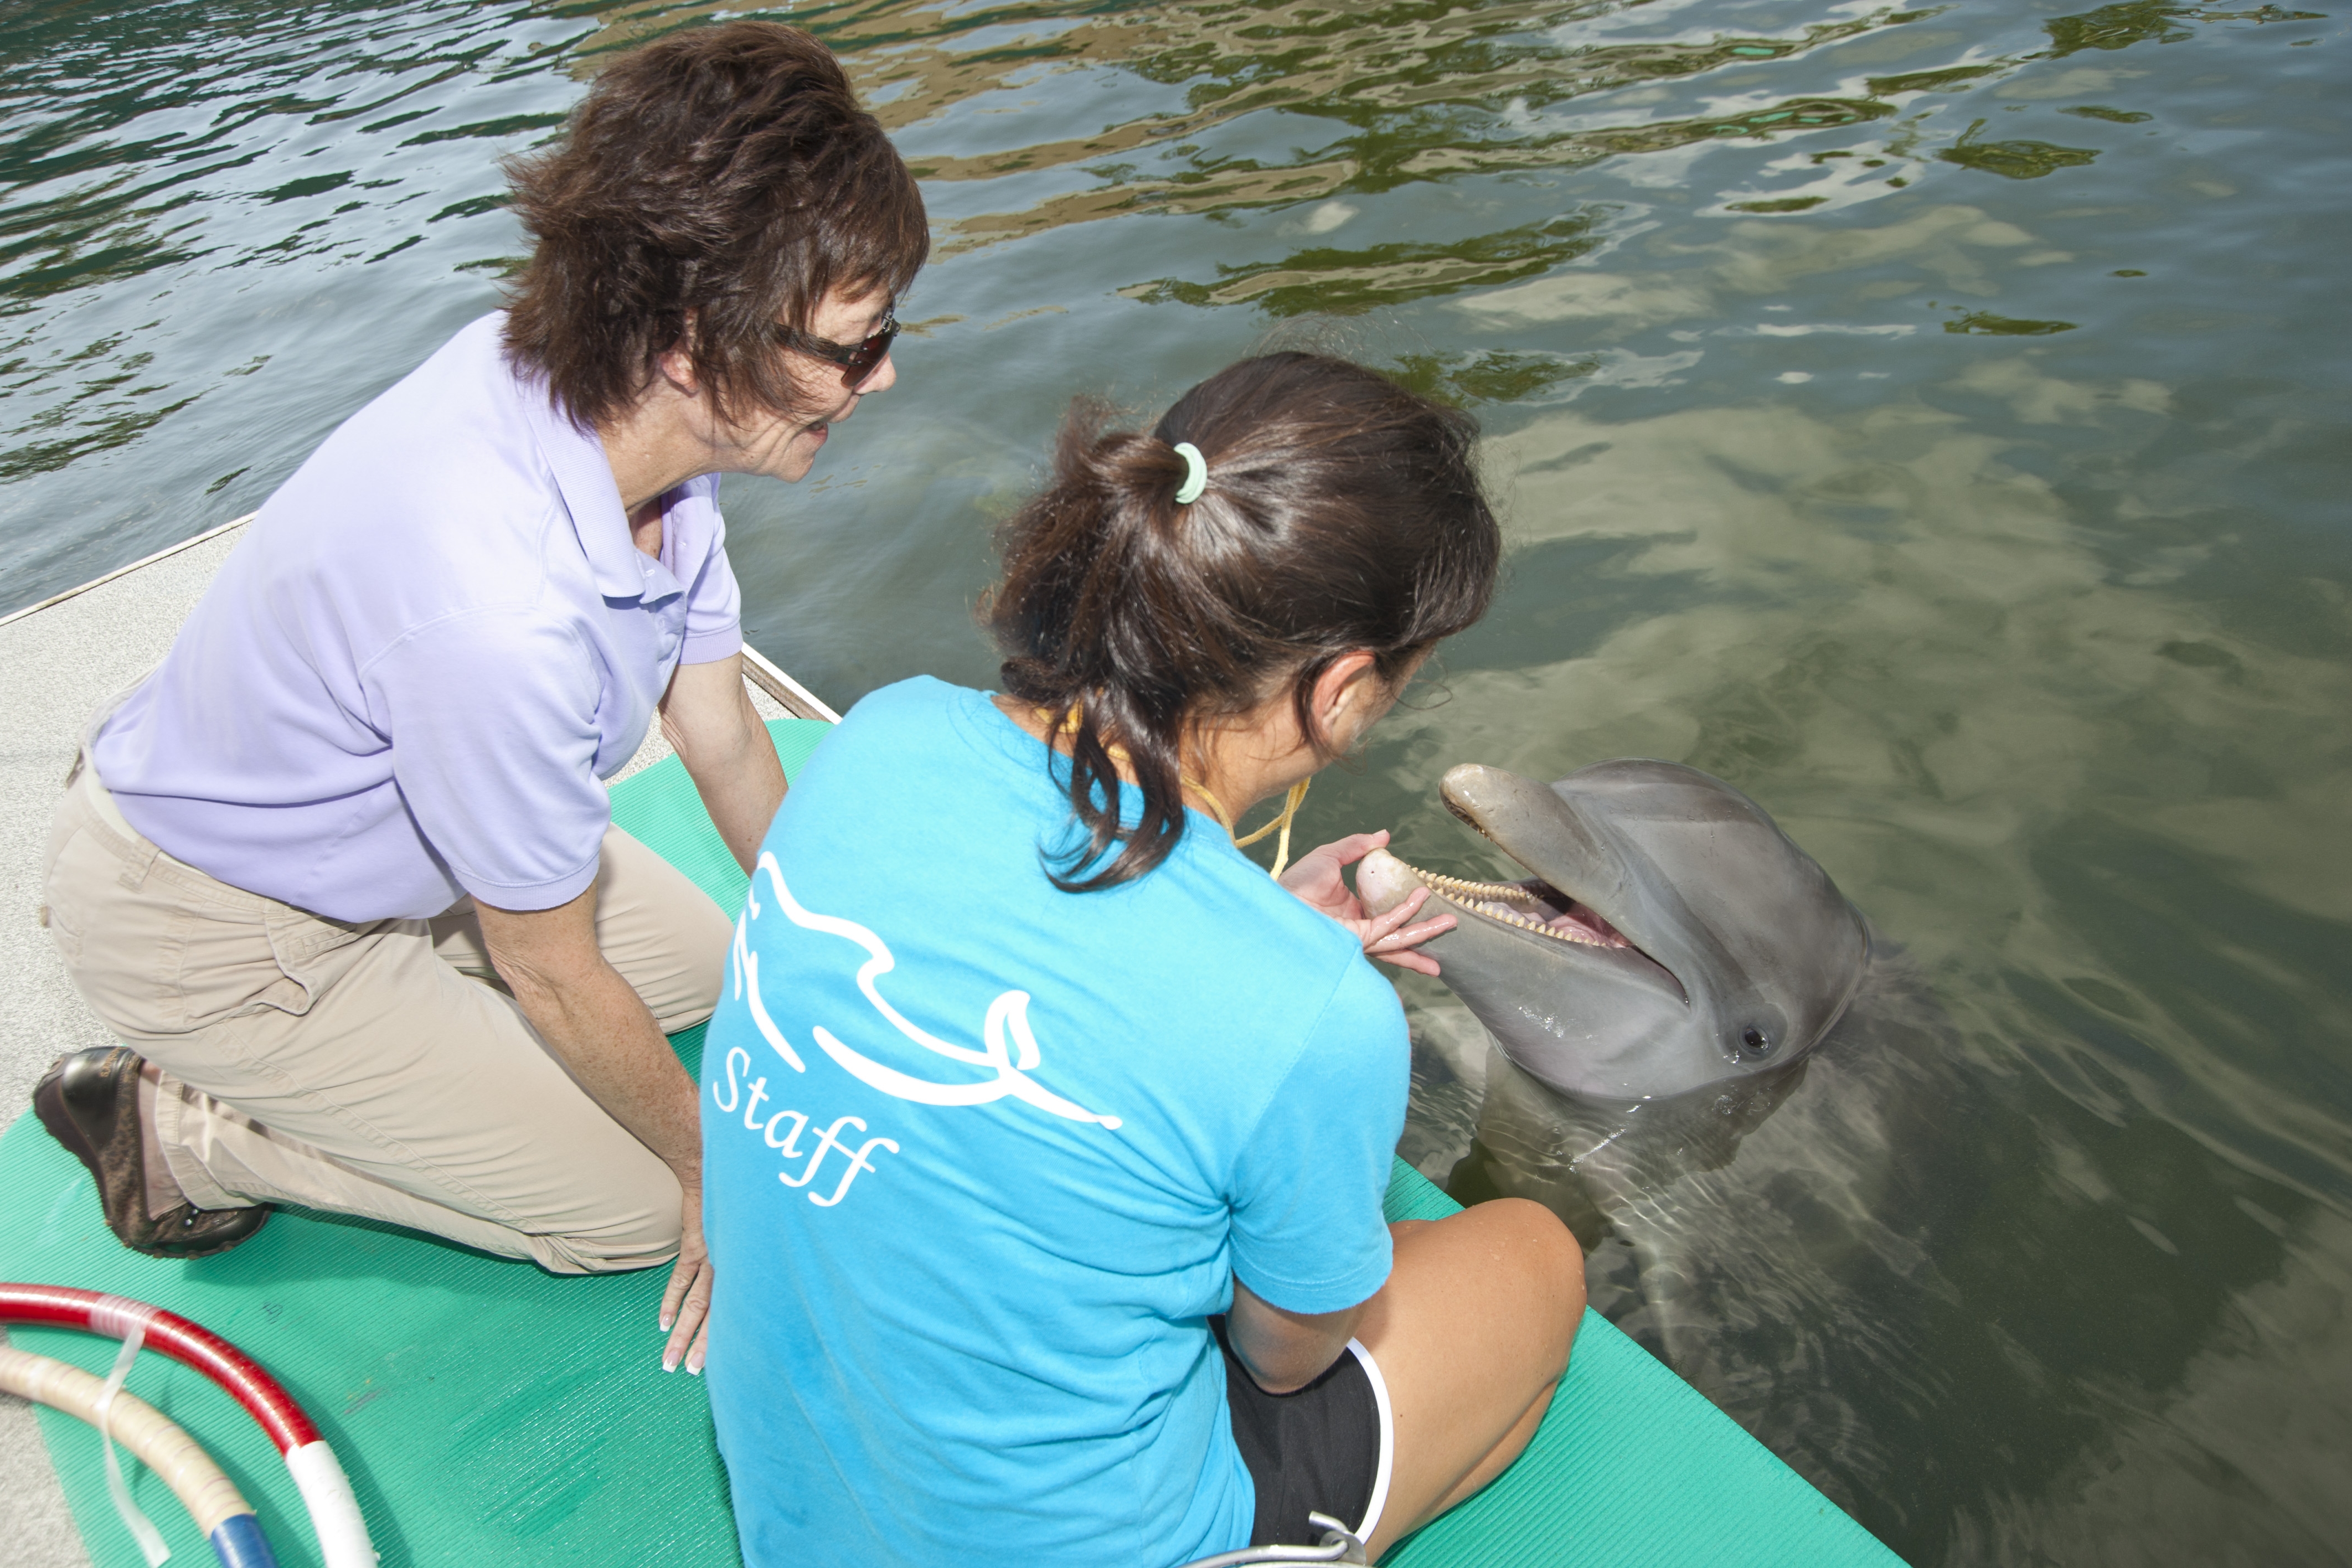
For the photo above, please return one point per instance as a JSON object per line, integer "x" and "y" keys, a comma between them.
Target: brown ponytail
{"x": 1341, "y": 512}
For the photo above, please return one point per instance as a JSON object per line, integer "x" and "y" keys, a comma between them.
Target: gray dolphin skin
{"x": 1670, "y": 936}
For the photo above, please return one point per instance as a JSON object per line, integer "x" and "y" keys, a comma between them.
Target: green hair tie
{"x": 1196, "y": 474}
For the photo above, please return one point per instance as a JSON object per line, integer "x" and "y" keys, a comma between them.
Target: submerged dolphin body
{"x": 1795, "y": 1235}
{"x": 1671, "y": 937}
{"x": 1778, "y": 1239}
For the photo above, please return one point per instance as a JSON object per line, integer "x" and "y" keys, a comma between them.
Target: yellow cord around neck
{"x": 1282, "y": 820}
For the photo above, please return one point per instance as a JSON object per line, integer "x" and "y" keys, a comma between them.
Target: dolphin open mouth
{"x": 1531, "y": 905}
{"x": 1537, "y": 906}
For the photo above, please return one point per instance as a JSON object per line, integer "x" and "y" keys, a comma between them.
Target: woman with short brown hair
{"x": 708, "y": 197}
{"x": 341, "y": 872}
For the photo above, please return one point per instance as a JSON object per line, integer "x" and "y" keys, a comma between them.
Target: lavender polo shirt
{"x": 412, "y": 676}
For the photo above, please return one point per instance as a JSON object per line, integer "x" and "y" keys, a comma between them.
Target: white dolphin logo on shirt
{"x": 1008, "y": 1020}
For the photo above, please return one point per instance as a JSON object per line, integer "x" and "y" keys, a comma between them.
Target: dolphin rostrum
{"x": 1670, "y": 937}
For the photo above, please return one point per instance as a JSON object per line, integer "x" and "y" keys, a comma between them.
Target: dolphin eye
{"x": 1756, "y": 1042}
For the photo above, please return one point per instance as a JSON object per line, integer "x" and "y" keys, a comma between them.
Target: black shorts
{"x": 1327, "y": 1448}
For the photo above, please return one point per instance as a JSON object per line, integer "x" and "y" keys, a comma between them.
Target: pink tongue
{"x": 1580, "y": 918}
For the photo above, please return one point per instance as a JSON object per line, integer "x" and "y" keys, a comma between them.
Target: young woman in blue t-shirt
{"x": 1045, "y": 1135}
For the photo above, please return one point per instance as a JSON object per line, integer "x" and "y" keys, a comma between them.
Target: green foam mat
{"x": 489, "y": 1413}
{"x": 1632, "y": 1469}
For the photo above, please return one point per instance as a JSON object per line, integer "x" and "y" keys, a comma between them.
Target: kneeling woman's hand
{"x": 1315, "y": 878}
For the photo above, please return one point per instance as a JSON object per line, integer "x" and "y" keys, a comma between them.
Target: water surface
{"x": 1932, "y": 421}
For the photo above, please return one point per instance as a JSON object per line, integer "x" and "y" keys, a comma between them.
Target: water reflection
{"x": 1926, "y": 419}
{"x": 1964, "y": 1217}
{"x": 178, "y": 186}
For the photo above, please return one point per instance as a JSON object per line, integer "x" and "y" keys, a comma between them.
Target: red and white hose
{"x": 318, "y": 1476}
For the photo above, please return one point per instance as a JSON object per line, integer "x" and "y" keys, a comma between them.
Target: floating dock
{"x": 490, "y": 1413}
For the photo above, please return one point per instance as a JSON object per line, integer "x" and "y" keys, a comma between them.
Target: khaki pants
{"x": 377, "y": 1069}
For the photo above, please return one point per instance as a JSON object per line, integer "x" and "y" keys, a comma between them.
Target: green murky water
{"x": 1931, "y": 420}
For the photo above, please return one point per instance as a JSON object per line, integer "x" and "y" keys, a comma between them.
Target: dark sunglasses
{"x": 856, "y": 361}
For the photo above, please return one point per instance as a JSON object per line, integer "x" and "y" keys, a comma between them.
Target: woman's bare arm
{"x": 1285, "y": 1351}
{"x": 599, "y": 1027}
{"x": 708, "y": 716}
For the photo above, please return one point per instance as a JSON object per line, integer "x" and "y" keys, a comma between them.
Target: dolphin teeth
{"x": 1469, "y": 896}
{"x": 1506, "y": 916}
{"x": 1440, "y": 882}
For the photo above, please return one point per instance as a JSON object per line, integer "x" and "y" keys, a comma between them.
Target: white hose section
{"x": 335, "y": 1511}
{"x": 210, "y": 1496}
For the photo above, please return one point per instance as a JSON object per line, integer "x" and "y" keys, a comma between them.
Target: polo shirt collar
{"x": 576, "y": 455}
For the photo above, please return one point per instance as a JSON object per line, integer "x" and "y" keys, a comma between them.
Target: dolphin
{"x": 1670, "y": 937}
{"x": 1794, "y": 1230}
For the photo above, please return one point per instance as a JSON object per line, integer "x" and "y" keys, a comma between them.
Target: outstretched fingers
{"x": 685, "y": 1312}
{"x": 686, "y": 1304}
{"x": 1392, "y": 936}
{"x": 1395, "y": 935}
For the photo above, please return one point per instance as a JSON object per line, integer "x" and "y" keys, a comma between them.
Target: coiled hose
{"x": 219, "y": 1509}
{"x": 318, "y": 1475}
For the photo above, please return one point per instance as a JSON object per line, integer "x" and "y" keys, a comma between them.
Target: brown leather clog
{"x": 90, "y": 1103}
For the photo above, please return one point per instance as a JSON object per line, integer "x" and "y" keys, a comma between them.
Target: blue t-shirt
{"x": 980, "y": 1157}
